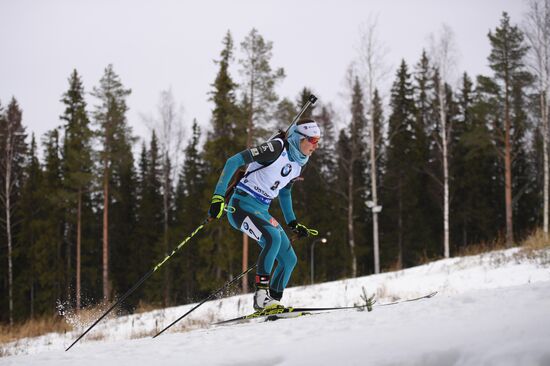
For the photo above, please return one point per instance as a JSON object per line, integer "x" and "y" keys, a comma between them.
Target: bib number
{"x": 250, "y": 229}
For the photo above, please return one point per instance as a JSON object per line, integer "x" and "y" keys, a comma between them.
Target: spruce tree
{"x": 401, "y": 182}
{"x": 285, "y": 112}
{"x": 53, "y": 260}
{"x": 331, "y": 262}
{"x": 461, "y": 218}
{"x": 191, "y": 185}
{"x": 427, "y": 137}
{"x": 149, "y": 215}
{"x": 524, "y": 184}
{"x": 227, "y": 137}
{"x": 78, "y": 166}
{"x": 483, "y": 182}
{"x": 122, "y": 213}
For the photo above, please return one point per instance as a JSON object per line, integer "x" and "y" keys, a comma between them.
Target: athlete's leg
{"x": 252, "y": 218}
{"x": 255, "y": 221}
{"x": 286, "y": 261}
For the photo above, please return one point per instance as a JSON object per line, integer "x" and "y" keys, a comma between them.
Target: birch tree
{"x": 371, "y": 55}
{"x": 537, "y": 32}
{"x": 12, "y": 150}
{"x": 352, "y": 165}
{"x": 169, "y": 129}
{"x": 444, "y": 58}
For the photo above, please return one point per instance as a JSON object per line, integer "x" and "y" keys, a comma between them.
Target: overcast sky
{"x": 159, "y": 44}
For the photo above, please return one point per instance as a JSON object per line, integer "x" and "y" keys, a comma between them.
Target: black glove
{"x": 217, "y": 204}
{"x": 301, "y": 230}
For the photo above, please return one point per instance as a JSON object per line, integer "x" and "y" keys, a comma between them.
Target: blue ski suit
{"x": 270, "y": 174}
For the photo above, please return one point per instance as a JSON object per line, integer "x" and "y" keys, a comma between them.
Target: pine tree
{"x": 114, "y": 134}
{"x": 258, "y": 99}
{"x": 506, "y": 60}
{"x": 259, "y": 83}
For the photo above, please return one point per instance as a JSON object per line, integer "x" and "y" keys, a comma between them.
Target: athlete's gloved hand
{"x": 217, "y": 204}
{"x": 301, "y": 230}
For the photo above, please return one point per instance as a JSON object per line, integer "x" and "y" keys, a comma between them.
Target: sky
{"x": 171, "y": 44}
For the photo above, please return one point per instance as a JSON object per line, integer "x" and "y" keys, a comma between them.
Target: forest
{"x": 424, "y": 173}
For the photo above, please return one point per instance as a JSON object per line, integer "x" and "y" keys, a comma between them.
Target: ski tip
{"x": 431, "y": 295}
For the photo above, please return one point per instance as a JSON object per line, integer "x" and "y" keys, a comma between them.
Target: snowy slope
{"x": 491, "y": 309}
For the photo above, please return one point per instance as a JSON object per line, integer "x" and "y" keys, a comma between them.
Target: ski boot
{"x": 262, "y": 298}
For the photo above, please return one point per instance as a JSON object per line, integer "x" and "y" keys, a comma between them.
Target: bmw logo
{"x": 286, "y": 170}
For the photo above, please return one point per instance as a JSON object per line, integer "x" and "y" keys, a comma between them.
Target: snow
{"x": 491, "y": 309}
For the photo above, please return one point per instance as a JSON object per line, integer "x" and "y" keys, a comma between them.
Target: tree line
{"x": 83, "y": 220}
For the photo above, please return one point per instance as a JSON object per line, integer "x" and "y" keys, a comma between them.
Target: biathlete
{"x": 273, "y": 167}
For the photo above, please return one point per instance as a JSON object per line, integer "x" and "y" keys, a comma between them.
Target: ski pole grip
{"x": 312, "y": 99}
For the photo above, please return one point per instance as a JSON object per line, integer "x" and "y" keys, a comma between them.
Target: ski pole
{"x": 221, "y": 289}
{"x": 311, "y": 100}
{"x": 145, "y": 277}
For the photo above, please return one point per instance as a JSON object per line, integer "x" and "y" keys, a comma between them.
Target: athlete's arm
{"x": 231, "y": 166}
{"x": 285, "y": 200}
{"x": 266, "y": 152}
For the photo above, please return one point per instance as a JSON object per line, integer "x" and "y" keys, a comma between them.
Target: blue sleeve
{"x": 231, "y": 166}
{"x": 285, "y": 200}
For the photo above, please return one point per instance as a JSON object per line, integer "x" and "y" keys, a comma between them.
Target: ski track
{"x": 488, "y": 312}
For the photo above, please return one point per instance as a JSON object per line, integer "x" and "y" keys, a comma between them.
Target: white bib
{"x": 266, "y": 183}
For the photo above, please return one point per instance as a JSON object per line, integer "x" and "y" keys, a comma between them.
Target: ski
{"x": 428, "y": 296}
{"x": 290, "y": 315}
{"x": 289, "y": 312}
{"x": 276, "y": 313}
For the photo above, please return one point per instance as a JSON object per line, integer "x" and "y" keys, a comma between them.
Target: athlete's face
{"x": 309, "y": 145}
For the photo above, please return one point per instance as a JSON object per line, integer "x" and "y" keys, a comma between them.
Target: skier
{"x": 274, "y": 166}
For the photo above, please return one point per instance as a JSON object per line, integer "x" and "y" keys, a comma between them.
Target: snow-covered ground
{"x": 491, "y": 309}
